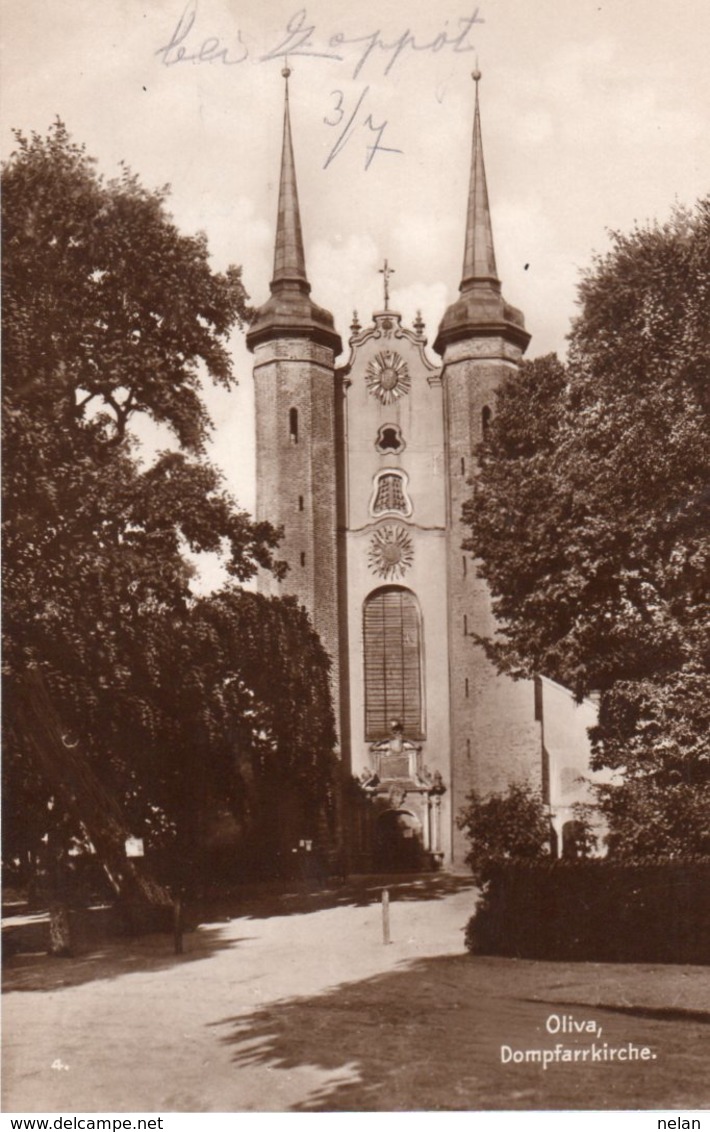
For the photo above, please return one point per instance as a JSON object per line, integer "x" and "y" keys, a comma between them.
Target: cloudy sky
{"x": 595, "y": 115}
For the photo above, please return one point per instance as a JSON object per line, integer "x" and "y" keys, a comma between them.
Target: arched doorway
{"x": 398, "y": 842}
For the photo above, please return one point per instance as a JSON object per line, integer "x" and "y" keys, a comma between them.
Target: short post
{"x": 177, "y": 924}
{"x": 385, "y": 916}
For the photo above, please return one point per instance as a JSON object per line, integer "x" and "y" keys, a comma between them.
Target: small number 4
{"x": 59, "y": 1064}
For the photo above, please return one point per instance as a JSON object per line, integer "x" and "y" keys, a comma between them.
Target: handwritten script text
{"x": 301, "y": 38}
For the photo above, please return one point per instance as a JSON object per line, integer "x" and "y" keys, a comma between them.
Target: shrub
{"x": 501, "y": 826}
{"x": 598, "y": 910}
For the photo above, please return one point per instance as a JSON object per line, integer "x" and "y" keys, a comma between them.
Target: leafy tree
{"x": 504, "y": 826}
{"x": 590, "y": 516}
{"x": 246, "y": 682}
{"x": 112, "y": 315}
{"x": 107, "y": 303}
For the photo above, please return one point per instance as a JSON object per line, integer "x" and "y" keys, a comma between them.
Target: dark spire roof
{"x": 290, "y": 312}
{"x": 479, "y": 261}
{"x": 481, "y": 310}
{"x": 289, "y": 260}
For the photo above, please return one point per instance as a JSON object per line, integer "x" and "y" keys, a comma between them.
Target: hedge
{"x": 655, "y": 911}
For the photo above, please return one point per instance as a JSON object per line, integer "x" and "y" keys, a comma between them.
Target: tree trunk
{"x": 60, "y": 945}
{"x": 82, "y": 794}
{"x": 59, "y": 931}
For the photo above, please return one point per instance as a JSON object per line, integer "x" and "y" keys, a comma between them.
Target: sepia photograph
{"x": 356, "y": 560}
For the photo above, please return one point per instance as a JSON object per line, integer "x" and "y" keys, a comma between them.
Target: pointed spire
{"x": 479, "y": 262}
{"x": 289, "y": 260}
{"x": 480, "y": 310}
{"x": 289, "y": 312}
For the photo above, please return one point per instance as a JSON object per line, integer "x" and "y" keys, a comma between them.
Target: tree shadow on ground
{"x": 108, "y": 959}
{"x": 257, "y": 903}
{"x": 99, "y": 955}
{"x": 431, "y": 1035}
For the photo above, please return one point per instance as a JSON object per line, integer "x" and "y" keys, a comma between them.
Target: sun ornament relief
{"x": 391, "y": 552}
{"x": 387, "y": 376}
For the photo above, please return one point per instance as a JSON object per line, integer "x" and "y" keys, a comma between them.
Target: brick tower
{"x": 294, "y": 345}
{"x": 481, "y": 339}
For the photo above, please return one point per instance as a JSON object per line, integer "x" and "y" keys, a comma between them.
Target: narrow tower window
{"x": 466, "y": 687}
{"x": 300, "y": 503}
{"x": 468, "y": 748}
{"x": 303, "y": 558}
{"x": 465, "y": 625}
{"x": 293, "y": 425}
{"x": 463, "y": 466}
{"x": 465, "y": 567}
{"x": 485, "y": 419}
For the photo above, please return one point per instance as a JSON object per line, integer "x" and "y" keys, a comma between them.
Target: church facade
{"x": 366, "y": 466}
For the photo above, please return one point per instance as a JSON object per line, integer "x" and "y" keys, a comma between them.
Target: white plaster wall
{"x": 424, "y": 580}
{"x": 565, "y": 726}
{"x": 565, "y": 736}
{"x": 419, "y": 415}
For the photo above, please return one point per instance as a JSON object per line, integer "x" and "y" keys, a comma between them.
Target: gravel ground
{"x": 294, "y": 1004}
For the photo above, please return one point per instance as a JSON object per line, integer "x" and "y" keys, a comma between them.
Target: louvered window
{"x": 393, "y": 663}
{"x": 390, "y": 495}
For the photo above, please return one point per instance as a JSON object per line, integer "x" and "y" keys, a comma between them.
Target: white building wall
{"x": 418, "y": 413}
{"x": 567, "y": 750}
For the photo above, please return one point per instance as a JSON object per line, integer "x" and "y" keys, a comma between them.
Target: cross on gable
{"x": 386, "y": 271}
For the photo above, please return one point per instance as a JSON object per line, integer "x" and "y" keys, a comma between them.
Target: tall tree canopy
{"x": 591, "y": 518}
{"x": 110, "y": 314}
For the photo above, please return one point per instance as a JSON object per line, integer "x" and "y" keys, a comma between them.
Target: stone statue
{"x": 369, "y": 780}
{"x": 396, "y": 757}
{"x": 396, "y": 744}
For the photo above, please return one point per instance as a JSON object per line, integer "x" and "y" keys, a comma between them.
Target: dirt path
{"x": 299, "y": 1006}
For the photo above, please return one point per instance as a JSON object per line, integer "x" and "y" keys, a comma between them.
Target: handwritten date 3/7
{"x": 353, "y": 122}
